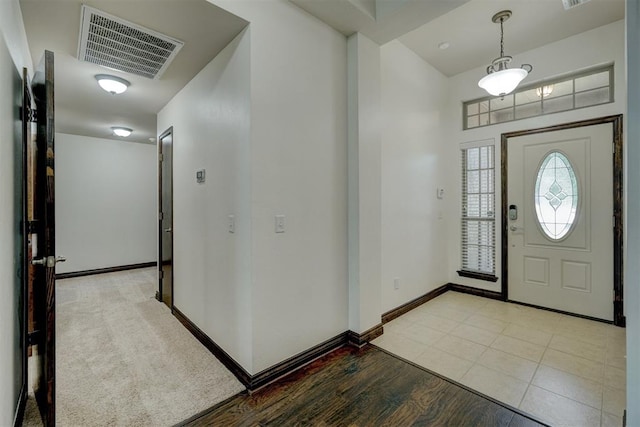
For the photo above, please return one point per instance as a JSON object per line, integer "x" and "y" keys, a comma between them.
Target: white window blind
{"x": 478, "y": 207}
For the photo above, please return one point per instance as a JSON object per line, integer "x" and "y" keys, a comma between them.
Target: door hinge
{"x": 161, "y": 157}
{"x": 32, "y": 337}
{"x": 160, "y": 216}
{"x": 161, "y": 274}
{"x": 613, "y": 221}
{"x": 32, "y": 226}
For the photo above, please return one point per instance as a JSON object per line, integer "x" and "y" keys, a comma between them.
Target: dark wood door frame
{"x": 161, "y": 228}
{"x": 618, "y": 204}
{"x": 44, "y": 215}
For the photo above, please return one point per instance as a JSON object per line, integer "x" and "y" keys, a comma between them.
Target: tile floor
{"x": 565, "y": 370}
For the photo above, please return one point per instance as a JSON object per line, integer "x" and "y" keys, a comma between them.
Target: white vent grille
{"x": 568, "y": 4}
{"x": 121, "y": 45}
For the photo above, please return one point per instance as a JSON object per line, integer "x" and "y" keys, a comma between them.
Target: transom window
{"x": 592, "y": 87}
{"x": 556, "y": 196}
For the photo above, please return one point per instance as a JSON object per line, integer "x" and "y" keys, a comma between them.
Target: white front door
{"x": 560, "y": 220}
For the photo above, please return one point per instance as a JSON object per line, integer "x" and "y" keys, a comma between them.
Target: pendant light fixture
{"x": 500, "y": 79}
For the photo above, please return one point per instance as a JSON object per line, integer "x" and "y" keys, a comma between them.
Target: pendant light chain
{"x": 501, "y": 38}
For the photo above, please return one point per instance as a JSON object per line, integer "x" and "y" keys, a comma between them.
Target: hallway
{"x": 562, "y": 369}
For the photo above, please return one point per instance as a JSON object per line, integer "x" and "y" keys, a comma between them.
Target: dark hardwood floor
{"x": 361, "y": 387}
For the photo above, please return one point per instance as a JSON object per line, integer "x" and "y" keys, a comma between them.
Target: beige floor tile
{"x": 610, "y": 420}
{"x": 577, "y": 347}
{"x": 446, "y": 364}
{"x": 573, "y": 364}
{"x": 477, "y": 335}
{"x": 450, "y": 313}
{"x": 438, "y": 323}
{"x": 619, "y": 361}
{"x": 422, "y": 334}
{"x": 400, "y": 345}
{"x": 558, "y": 410}
{"x": 509, "y": 364}
{"x": 615, "y": 377}
{"x": 460, "y": 347}
{"x": 518, "y": 348}
{"x": 396, "y": 324}
{"x": 614, "y": 401}
{"x": 528, "y": 334}
{"x": 487, "y": 323}
{"x": 568, "y": 385}
{"x": 495, "y": 384}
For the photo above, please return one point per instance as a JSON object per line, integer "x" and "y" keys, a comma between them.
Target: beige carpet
{"x": 124, "y": 360}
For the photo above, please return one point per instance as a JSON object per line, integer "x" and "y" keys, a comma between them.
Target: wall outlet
{"x": 279, "y": 223}
{"x": 440, "y": 193}
{"x": 200, "y": 176}
{"x": 396, "y": 283}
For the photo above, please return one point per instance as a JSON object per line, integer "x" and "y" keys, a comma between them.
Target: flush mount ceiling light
{"x": 112, "y": 84}
{"x": 500, "y": 79}
{"x": 120, "y": 131}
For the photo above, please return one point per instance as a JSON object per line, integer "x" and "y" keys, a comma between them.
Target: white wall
{"x": 632, "y": 268}
{"x": 364, "y": 176}
{"x": 414, "y": 138}
{"x": 605, "y": 45}
{"x": 298, "y": 169}
{"x": 14, "y": 55}
{"x": 212, "y": 267}
{"x": 106, "y": 192}
{"x": 10, "y": 368}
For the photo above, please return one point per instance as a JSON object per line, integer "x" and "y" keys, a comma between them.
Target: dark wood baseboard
{"x": 296, "y": 362}
{"x": 70, "y": 275}
{"x": 20, "y": 408}
{"x": 358, "y": 340}
{"x": 406, "y": 307}
{"x": 243, "y": 376}
{"x": 262, "y": 378}
{"x": 475, "y": 291}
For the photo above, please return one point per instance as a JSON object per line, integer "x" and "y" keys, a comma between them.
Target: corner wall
{"x": 106, "y": 193}
{"x": 212, "y": 267}
{"x": 414, "y": 140}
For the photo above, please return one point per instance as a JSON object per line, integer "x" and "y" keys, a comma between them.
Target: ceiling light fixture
{"x": 500, "y": 79}
{"x": 120, "y": 131}
{"x": 112, "y": 84}
{"x": 544, "y": 91}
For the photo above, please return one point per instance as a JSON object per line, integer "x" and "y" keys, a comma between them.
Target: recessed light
{"x": 443, "y": 45}
{"x": 112, "y": 84}
{"x": 120, "y": 131}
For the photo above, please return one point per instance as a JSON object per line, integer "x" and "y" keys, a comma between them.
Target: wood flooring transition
{"x": 361, "y": 387}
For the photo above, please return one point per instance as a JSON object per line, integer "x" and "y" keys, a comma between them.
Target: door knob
{"x": 48, "y": 261}
{"x": 168, "y": 230}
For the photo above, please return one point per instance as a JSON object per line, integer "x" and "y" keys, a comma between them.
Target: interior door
{"x": 560, "y": 220}
{"x": 42, "y": 237}
{"x": 165, "y": 216}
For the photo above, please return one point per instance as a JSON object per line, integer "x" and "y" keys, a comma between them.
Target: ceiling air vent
{"x": 568, "y": 4}
{"x": 121, "y": 45}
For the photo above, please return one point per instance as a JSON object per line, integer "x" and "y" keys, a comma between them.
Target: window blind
{"x": 478, "y": 207}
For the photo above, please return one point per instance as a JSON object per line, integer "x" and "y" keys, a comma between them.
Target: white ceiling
{"x": 82, "y": 108}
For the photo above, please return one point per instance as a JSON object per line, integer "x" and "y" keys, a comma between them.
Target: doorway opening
{"x": 165, "y": 218}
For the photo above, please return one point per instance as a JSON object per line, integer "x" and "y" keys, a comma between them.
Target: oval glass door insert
{"x": 556, "y": 196}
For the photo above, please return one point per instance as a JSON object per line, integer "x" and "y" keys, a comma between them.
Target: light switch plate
{"x": 232, "y": 223}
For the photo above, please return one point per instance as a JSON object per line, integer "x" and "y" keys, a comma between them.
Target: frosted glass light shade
{"x": 120, "y": 131}
{"x": 112, "y": 84}
{"x": 503, "y": 82}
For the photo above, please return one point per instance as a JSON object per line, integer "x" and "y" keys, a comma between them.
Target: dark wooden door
{"x": 42, "y": 237}
{"x": 165, "y": 240}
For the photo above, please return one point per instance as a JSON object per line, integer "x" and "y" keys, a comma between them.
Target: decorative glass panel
{"x": 556, "y": 196}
